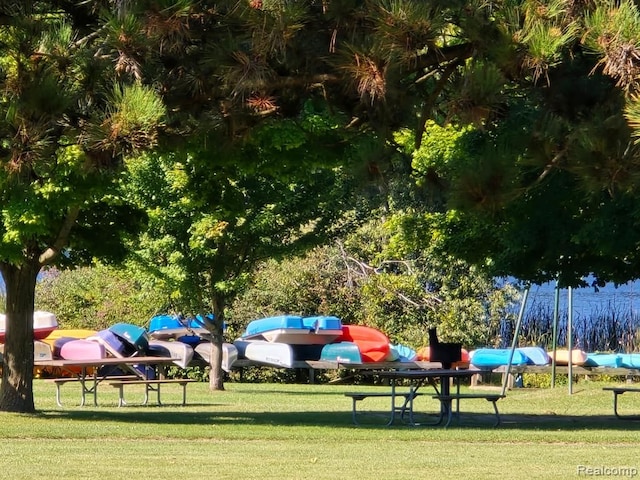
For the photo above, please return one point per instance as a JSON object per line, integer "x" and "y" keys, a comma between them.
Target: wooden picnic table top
{"x": 104, "y": 362}
{"x": 426, "y": 373}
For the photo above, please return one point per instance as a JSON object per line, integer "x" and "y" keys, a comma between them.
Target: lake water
{"x": 604, "y": 318}
{"x": 588, "y": 302}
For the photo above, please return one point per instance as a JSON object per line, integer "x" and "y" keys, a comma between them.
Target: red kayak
{"x": 373, "y": 344}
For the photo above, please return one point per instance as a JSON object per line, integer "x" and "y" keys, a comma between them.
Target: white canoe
{"x": 171, "y": 349}
{"x": 229, "y": 354}
{"x": 268, "y": 353}
{"x": 43, "y": 324}
{"x": 41, "y": 350}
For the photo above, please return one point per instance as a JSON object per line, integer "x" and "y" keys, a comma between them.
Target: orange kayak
{"x": 373, "y": 344}
{"x": 578, "y": 357}
{"x": 424, "y": 353}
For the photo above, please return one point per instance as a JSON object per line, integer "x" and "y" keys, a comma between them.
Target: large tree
{"x": 68, "y": 119}
{"x": 216, "y": 212}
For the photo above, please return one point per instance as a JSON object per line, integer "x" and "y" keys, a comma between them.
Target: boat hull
{"x": 41, "y": 350}
{"x": 294, "y": 330}
{"x": 136, "y": 336}
{"x": 80, "y": 349}
{"x": 611, "y": 360}
{"x": 113, "y": 344}
{"x": 171, "y": 349}
{"x": 229, "y": 354}
{"x": 373, "y": 344}
{"x": 578, "y": 357}
{"x": 43, "y": 324}
{"x": 535, "y": 355}
{"x": 268, "y": 353}
{"x": 630, "y": 360}
{"x": 496, "y": 357}
{"x": 341, "y": 352}
{"x": 164, "y": 327}
{"x": 326, "y": 329}
{"x": 402, "y": 353}
{"x": 80, "y": 333}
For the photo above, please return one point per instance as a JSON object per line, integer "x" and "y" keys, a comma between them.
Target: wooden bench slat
{"x": 94, "y": 381}
{"x": 407, "y": 405}
{"x": 61, "y": 380}
{"x": 99, "y": 379}
{"x": 363, "y": 395}
{"x": 622, "y": 389}
{"x": 150, "y": 382}
{"x": 460, "y": 396}
{"x": 150, "y": 385}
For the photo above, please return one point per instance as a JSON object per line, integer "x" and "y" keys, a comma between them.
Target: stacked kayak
{"x": 294, "y": 330}
{"x": 182, "y": 352}
{"x": 630, "y": 360}
{"x": 535, "y": 355}
{"x": 374, "y": 345}
{"x": 611, "y": 360}
{"x": 341, "y": 352}
{"x": 490, "y": 358}
{"x": 203, "y": 350}
{"x": 70, "y": 348}
{"x": 280, "y": 340}
{"x": 277, "y": 354}
{"x": 578, "y": 357}
{"x": 43, "y": 324}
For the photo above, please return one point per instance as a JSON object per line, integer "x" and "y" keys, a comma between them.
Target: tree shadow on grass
{"x": 334, "y": 419}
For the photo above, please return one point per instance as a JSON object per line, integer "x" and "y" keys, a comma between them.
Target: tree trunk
{"x": 16, "y": 393}
{"x": 216, "y": 375}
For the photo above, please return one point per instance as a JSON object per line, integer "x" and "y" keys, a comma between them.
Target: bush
{"x": 96, "y": 297}
{"x": 311, "y": 285}
{"x": 401, "y": 302}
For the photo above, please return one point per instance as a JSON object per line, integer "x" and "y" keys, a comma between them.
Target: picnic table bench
{"x": 406, "y": 404}
{"x": 64, "y": 380}
{"x": 619, "y": 391}
{"x": 490, "y": 397}
{"x": 149, "y": 386}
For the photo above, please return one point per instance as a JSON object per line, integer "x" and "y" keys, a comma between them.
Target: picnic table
{"x": 439, "y": 379}
{"x": 117, "y": 371}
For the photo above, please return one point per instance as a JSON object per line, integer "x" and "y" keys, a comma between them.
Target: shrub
{"x": 96, "y": 297}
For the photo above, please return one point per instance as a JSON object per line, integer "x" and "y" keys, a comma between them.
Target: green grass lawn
{"x": 274, "y": 431}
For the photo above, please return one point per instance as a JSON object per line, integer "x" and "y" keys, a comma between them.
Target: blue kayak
{"x": 136, "y": 336}
{"x": 173, "y": 326}
{"x": 294, "y": 330}
{"x": 402, "y": 353}
{"x": 496, "y": 357}
{"x": 535, "y": 355}
{"x": 611, "y": 360}
{"x": 325, "y": 325}
{"x": 630, "y": 360}
{"x": 343, "y": 352}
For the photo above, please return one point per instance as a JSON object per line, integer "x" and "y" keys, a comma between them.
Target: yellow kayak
{"x": 69, "y": 333}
